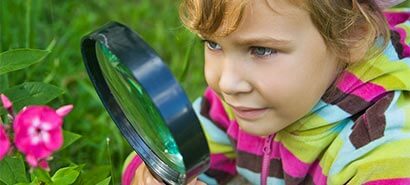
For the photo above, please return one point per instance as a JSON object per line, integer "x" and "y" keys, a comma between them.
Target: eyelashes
{"x": 212, "y": 45}
{"x": 262, "y": 51}
{"x": 257, "y": 51}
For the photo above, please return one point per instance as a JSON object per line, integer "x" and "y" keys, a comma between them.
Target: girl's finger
{"x": 196, "y": 182}
{"x": 200, "y": 183}
{"x": 150, "y": 179}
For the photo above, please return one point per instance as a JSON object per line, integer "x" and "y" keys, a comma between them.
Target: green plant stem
{"x": 28, "y": 30}
{"x": 28, "y": 23}
{"x": 110, "y": 159}
{"x": 1, "y": 24}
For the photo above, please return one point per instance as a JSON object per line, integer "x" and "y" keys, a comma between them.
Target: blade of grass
{"x": 110, "y": 159}
{"x": 187, "y": 56}
{"x": 4, "y": 81}
{"x": 1, "y": 24}
{"x": 28, "y": 23}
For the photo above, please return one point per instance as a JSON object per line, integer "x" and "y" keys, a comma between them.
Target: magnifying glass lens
{"x": 138, "y": 108}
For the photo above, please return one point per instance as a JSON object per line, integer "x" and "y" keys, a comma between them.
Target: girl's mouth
{"x": 248, "y": 113}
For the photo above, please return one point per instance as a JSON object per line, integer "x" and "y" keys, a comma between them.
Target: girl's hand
{"x": 143, "y": 177}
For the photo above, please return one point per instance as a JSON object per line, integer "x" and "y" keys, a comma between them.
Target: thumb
{"x": 195, "y": 181}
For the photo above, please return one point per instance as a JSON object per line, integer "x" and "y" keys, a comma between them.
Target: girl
{"x": 302, "y": 92}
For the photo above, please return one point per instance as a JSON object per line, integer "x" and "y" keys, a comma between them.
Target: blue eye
{"x": 262, "y": 51}
{"x": 213, "y": 45}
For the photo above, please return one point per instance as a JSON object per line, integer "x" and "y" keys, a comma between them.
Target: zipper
{"x": 267, "y": 149}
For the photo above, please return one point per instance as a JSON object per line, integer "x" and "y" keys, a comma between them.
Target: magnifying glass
{"x": 146, "y": 103}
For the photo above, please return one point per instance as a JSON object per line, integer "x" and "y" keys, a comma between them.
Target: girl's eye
{"x": 213, "y": 45}
{"x": 262, "y": 51}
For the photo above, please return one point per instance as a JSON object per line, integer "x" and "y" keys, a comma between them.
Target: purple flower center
{"x": 39, "y": 131}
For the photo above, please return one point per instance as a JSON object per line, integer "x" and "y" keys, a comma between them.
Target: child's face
{"x": 272, "y": 69}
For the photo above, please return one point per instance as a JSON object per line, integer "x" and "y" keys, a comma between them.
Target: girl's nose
{"x": 233, "y": 78}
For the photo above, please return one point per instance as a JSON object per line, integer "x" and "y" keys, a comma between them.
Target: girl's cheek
{"x": 212, "y": 76}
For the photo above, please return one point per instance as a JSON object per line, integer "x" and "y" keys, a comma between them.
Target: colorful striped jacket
{"x": 358, "y": 133}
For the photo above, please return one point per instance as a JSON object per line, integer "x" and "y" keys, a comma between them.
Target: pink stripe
{"x": 395, "y": 18}
{"x": 317, "y": 173}
{"x": 350, "y": 84}
{"x": 406, "y": 51}
{"x": 291, "y": 164}
{"x": 233, "y": 130}
{"x": 130, "y": 170}
{"x": 217, "y": 111}
{"x": 222, "y": 163}
{"x": 403, "y": 35}
{"x": 398, "y": 181}
{"x": 251, "y": 144}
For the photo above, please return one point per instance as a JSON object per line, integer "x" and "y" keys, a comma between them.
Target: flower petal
{"x": 56, "y": 136}
{"x": 44, "y": 165}
{"x": 6, "y": 102}
{"x": 64, "y": 110}
{"x": 4, "y": 142}
{"x": 31, "y": 160}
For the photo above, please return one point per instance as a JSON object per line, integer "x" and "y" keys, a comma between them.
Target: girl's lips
{"x": 249, "y": 113}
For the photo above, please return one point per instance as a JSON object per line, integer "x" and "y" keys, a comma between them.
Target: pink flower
{"x": 38, "y": 132}
{"x": 6, "y": 102}
{"x": 4, "y": 142}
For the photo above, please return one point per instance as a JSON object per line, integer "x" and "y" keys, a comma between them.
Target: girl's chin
{"x": 256, "y": 128}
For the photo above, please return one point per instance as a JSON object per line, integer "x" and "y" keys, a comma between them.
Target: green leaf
{"x": 28, "y": 183}
{"x": 51, "y": 45}
{"x": 94, "y": 175}
{"x": 16, "y": 59}
{"x": 4, "y": 84}
{"x": 69, "y": 138}
{"x": 4, "y": 81}
{"x": 105, "y": 181}
{"x": 32, "y": 93}
{"x": 35, "y": 181}
{"x": 12, "y": 170}
{"x": 42, "y": 175}
{"x": 66, "y": 175}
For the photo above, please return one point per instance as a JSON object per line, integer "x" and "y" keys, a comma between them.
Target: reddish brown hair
{"x": 344, "y": 24}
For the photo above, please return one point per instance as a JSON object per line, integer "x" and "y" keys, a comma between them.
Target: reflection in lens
{"x": 139, "y": 109}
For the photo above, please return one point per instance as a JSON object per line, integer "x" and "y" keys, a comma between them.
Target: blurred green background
{"x": 36, "y": 23}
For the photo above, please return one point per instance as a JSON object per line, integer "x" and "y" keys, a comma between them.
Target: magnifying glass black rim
{"x": 175, "y": 108}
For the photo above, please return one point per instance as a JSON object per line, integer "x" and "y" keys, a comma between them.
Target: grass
{"x": 37, "y": 23}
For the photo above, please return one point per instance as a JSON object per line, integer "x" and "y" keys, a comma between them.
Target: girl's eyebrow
{"x": 263, "y": 40}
